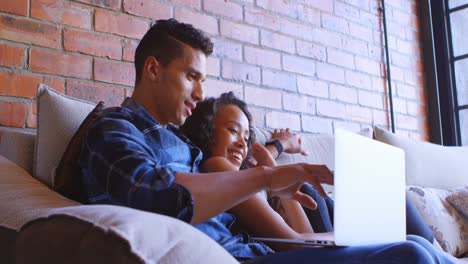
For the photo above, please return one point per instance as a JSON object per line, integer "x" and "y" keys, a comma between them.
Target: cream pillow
{"x": 427, "y": 164}
{"x": 58, "y": 117}
{"x": 319, "y": 146}
{"x": 449, "y": 227}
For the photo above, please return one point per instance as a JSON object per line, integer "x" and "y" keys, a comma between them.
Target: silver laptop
{"x": 369, "y": 194}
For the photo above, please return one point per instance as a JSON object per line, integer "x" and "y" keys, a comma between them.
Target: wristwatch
{"x": 277, "y": 144}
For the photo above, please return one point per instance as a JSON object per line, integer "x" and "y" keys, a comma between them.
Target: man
{"x": 135, "y": 156}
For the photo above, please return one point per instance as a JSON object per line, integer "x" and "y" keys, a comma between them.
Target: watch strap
{"x": 277, "y": 144}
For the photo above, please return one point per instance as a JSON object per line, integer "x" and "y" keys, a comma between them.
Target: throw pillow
{"x": 459, "y": 200}
{"x": 67, "y": 176}
{"x": 319, "y": 146}
{"x": 427, "y": 164}
{"x": 58, "y": 117}
{"x": 449, "y": 227}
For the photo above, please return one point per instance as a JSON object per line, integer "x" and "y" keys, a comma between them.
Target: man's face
{"x": 178, "y": 87}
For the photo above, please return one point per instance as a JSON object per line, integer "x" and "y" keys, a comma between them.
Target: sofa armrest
{"x": 114, "y": 234}
{"x": 23, "y": 198}
{"x": 52, "y": 228}
{"x": 18, "y": 146}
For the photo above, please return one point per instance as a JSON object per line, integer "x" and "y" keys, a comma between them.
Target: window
{"x": 444, "y": 26}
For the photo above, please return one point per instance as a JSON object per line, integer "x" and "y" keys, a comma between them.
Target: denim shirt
{"x": 128, "y": 158}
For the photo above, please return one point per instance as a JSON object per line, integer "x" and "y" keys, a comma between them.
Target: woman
{"x": 222, "y": 129}
{"x": 232, "y": 131}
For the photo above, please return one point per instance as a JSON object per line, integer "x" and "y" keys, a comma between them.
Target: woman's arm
{"x": 291, "y": 211}
{"x": 255, "y": 214}
{"x": 294, "y": 215}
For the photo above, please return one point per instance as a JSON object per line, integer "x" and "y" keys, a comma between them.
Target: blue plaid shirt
{"x": 129, "y": 159}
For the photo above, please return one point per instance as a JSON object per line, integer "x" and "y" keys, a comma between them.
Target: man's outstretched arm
{"x": 120, "y": 168}
{"x": 217, "y": 192}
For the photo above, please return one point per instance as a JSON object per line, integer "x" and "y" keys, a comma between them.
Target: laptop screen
{"x": 369, "y": 191}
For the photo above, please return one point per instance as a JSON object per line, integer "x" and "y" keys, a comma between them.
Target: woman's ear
{"x": 151, "y": 68}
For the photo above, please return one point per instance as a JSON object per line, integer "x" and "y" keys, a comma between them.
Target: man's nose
{"x": 198, "y": 91}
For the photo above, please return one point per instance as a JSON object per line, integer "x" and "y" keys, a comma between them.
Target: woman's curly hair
{"x": 199, "y": 127}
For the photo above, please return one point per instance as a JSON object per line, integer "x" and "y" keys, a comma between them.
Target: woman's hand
{"x": 261, "y": 156}
{"x": 292, "y": 142}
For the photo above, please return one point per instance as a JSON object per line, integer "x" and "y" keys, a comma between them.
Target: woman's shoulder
{"x": 215, "y": 164}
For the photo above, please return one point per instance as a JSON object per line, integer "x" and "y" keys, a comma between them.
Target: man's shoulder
{"x": 117, "y": 112}
{"x": 113, "y": 118}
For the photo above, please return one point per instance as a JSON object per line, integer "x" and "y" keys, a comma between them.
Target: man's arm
{"x": 125, "y": 172}
{"x": 257, "y": 216}
{"x": 217, "y": 192}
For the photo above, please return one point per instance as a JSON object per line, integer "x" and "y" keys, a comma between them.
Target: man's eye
{"x": 246, "y": 139}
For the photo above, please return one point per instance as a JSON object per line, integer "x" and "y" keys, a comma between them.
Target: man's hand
{"x": 292, "y": 142}
{"x": 285, "y": 181}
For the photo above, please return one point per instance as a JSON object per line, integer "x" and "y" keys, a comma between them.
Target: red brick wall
{"x": 312, "y": 65}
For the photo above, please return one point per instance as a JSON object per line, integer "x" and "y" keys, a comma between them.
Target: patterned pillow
{"x": 450, "y": 228}
{"x": 459, "y": 200}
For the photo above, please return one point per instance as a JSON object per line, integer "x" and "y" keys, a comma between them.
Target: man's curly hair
{"x": 163, "y": 42}
{"x": 199, "y": 127}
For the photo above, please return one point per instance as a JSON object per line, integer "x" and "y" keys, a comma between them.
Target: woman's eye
{"x": 233, "y": 131}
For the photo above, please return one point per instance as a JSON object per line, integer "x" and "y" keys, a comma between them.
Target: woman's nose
{"x": 242, "y": 143}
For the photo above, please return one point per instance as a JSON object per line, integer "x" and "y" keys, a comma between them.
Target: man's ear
{"x": 151, "y": 68}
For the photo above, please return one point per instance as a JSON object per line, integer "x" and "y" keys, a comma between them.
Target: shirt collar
{"x": 131, "y": 104}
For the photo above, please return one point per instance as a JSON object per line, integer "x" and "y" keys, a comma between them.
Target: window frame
{"x": 436, "y": 36}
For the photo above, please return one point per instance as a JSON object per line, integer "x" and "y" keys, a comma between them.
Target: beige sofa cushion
{"x": 427, "y": 164}
{"x": 320, "y": 148}
{"x": 58, "y": 117}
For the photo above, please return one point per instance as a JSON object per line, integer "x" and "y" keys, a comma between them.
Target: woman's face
{"x": 231, "y": 134}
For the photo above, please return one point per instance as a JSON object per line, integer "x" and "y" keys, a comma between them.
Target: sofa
{"x": 38, "y": 225}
